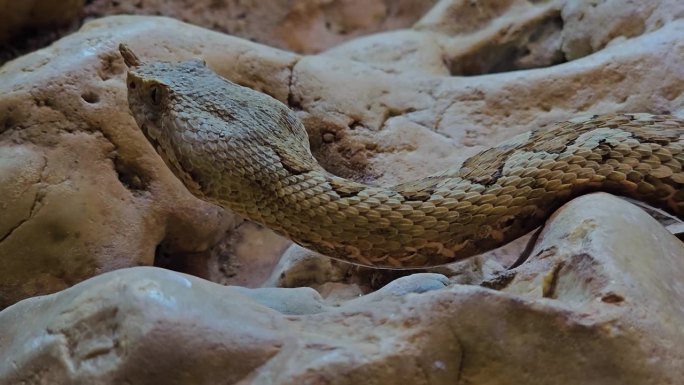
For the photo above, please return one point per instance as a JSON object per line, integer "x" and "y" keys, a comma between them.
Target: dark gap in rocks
{"x": 612, "y": 298}
{"x": 356, "y": 124}
{"x": 30, "y": 39}
{"x": 129, "y": 177}
{"x": 8, "y": 123}
{"x": 183, "y": 262}
{"x": 535, "y": 47}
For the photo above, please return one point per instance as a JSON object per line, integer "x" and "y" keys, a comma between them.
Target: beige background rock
{"x": 587, "y": 308}
{"x": 16, "y": 16}
{"x": 618, "y": 20}
{"x": 304, "y": 26}
{"x": 630, "y": 264}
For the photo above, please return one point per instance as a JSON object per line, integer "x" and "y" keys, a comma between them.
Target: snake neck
{"x": 494, "y": 197}
{"x": 433, "y": 221}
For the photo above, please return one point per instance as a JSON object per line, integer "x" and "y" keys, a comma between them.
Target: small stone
{"x": 328, "y": 137}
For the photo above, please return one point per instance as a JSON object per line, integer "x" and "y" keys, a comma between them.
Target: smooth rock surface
{"x": 631, "y": 259}
{"x": 618, "y": 20}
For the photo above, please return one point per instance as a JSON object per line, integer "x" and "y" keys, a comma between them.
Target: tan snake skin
{"x": 248, "y": 152}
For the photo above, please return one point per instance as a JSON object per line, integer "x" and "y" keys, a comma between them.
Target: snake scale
{"x": 248, "y": 152}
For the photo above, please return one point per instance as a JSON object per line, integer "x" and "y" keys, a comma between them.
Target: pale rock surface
{"x": 599, "y": 302}
{"x": 494, "y": 36}
{"x": 83, "y": 192}
{"x": 618, "y": 20}
{"x": 631, "y": 259}
{"x": 337, "y": 280}
{"x": 304, "y": 26}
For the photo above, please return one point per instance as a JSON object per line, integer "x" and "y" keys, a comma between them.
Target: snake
{"x": 248, "y": 152}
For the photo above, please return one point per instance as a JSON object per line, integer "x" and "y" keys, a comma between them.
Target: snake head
{"x": 217, "y": 137}
{"x": 157, "y": 106}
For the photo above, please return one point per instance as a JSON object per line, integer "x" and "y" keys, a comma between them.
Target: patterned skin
{"x": 248, "y": 152}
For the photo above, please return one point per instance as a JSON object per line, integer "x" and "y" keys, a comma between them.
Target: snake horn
{"x": 129, "y": 57}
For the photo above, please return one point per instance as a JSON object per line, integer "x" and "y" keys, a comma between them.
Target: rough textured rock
{"x": 304, "y": 26}
{"x": 588, "y": 308}
{"x": 618, "y": 20}
{"x": 82, "y": 193}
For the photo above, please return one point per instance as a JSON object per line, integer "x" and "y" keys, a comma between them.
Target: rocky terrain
{"x": 112, "y": 272}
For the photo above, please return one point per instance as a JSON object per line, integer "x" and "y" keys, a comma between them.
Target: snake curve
{"x": 248, "y": 152}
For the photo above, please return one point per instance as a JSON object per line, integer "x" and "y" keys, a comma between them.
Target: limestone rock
{"x": 337, "y": 280}
{"x": 496, "y": 36}
{"x": 85, "y": 193}
{"x": 618, "y": 20}
{"x": 598, "y": 303}
{"x": 631, "y": 259}
{"x": 305, "y": 26}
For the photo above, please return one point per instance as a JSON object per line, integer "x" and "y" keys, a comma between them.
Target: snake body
{"x": 248, "y": 152}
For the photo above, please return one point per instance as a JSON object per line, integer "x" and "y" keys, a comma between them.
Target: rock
{"x": 17, "y": 16}
{"x": 414, "y": 283}
{"x": 632, "y": 260}
{"x": 88, "y": 193}
{"x": 297, "y": 301}
{"x": 589, "y": 307}
{"x": 246, "y": 257}
{"x": 337, "y": 280}
{"x": 302, "y": 267}
{"x": 496, "y": 36}
{"x": 618, "y": 20}
{"x": 305, "y": 26}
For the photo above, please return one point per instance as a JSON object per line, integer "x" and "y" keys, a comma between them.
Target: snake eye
{"x": 155, "y": 95}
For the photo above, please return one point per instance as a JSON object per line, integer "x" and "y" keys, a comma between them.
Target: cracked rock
{"x": 586, "y": 297}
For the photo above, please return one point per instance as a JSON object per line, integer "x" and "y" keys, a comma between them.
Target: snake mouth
{"x": 153, "y": 136}
{"x": 151, "y": 132}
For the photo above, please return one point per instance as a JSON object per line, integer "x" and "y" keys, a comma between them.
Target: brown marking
{"x": 345, "y": 189}
{"x": 419, "y": 191}
{"x": 419, "y": 196}
{"x": 291, "y": 162}
{"x": 662, "y": 138}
